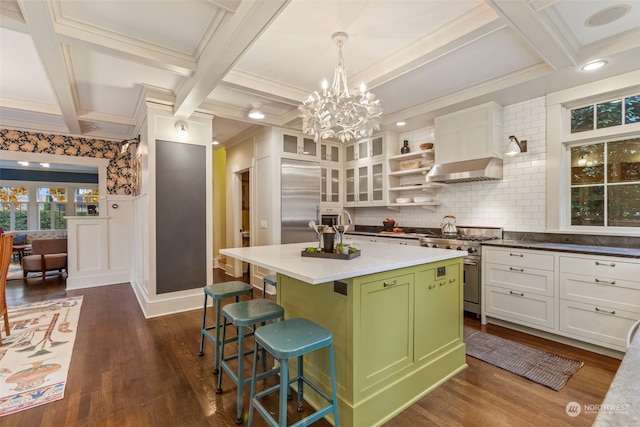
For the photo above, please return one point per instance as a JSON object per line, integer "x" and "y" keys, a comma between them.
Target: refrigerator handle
{"x": 318, "y": 218}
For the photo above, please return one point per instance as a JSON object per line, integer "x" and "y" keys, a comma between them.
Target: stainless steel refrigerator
{"x": 300, "y": 194}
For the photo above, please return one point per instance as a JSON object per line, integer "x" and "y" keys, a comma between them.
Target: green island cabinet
{"x": 397, "y": 335}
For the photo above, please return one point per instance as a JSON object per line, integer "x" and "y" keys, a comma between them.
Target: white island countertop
{"x": 375, "y": 257}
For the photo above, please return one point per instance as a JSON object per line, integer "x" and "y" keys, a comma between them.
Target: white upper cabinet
{"x": 299, "y": 146}
{"x": 473, "y": 133}
{"x": 331, "y": 152}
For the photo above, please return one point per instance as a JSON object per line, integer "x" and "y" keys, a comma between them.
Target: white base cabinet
{"x": 589, "y": 298}
{"x": 519, "y": 287}
{"x": 599, "y": 298}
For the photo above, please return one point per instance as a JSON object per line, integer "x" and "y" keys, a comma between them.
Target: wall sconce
{"x": 128, "y": 142}
{"x": 255, "y": 112}
{"x": 515, "y": 146}
{"x": 183, "y": 132}
{"x": 583, "y": 160}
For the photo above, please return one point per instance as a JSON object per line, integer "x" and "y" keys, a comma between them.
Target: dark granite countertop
{"x": 620, "y": 246}
{"x": 567, "y": 247}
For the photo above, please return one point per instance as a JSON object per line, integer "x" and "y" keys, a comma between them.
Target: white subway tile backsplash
{"x": 516, "y": 203}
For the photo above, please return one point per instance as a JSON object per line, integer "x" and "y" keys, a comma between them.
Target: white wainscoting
{"x": 99, "y": 246}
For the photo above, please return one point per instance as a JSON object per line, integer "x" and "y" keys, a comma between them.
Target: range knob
{"x": 434, "y": 246}
{"x": 471, "y": 250}
{"x": 448, "y": 247}
{"x": 459, "y": 248}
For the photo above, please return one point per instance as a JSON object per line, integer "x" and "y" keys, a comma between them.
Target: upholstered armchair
{"x": 47, "y": 255}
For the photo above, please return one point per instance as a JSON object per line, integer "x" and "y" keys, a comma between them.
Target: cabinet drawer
{"x": 596, "y": 324}
{"x": 519, "y": 307}
{"x": 518, "y": 258}
{"x": 616, "y": 293}
{"x": 601, "y": 267}
{"x": 523, "y": 279}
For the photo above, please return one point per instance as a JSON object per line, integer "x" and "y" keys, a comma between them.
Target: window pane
{"x": 51, "y": 216}
{"x": 52, "y": 194}
{"x": 21, "y": 216}
{"x": 587, "y": 205}
{"x": 14, "y": 194}
{"x": 632, "y": 109}
{"x": 88, "y": 195}
{"x": 623, "y": 205}
{"x": 5, "y": 216}
{"x": 587, "y": 164}
{"x": 609, "y": 114}
{"x": 582, "y": 119}
{"x": 624, "y": 161}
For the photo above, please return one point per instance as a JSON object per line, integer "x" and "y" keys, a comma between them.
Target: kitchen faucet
{"x": 339, "y": 219}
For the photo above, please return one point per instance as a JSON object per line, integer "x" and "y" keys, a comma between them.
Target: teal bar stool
{"x": 244, "y": 315}
{"x": 285, "y": 340}
{"x": 218, "y": 292}
{"x": 269, "y": 279}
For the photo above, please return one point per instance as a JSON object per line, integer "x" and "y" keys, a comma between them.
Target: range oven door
{"x": 472, "y": 284}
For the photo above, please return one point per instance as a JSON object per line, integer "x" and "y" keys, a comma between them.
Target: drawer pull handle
{"x": 385, "y": 284}
{"x": 442, "y": 283}
{"x": 605, "y": 311}
{"x": 519, "y": 255}
{"x": 607, "y": 264}
{"x": 613, "y": 282}
{"x": 520, "y": 294}
{"x": 516, "y": 269}
{"x": 432, "y": 286}
{"x": 452, "y": 280}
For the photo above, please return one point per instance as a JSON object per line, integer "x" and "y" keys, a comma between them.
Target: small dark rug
{"x": 539, "y": 366}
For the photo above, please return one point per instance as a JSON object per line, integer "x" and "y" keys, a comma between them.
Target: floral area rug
{"x": 35, "y": 358}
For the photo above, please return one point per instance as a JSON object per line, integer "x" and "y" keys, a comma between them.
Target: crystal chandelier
{"x": 340, "y": 113}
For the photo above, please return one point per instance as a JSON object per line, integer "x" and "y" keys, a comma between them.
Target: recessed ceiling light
{"x": 23, "y": 163}
{"x": 44, "y": 165}
{"x": 215, "y": 142}
{"x": 401, "y": 123}
{"x": 593, "y": 65}
{"x": 607, "y": 15}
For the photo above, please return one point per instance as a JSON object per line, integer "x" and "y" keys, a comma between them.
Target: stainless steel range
{"x": 468, "y": 239}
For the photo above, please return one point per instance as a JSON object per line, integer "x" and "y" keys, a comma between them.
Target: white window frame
{"x": 560, "y": 140}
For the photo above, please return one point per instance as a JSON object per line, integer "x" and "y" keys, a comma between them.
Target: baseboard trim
{"x": 97, "y": 280}
{"x": 557, "y": 338}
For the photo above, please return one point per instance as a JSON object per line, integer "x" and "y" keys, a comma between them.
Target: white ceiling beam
{"x": 31, "y": 106}
{"x": 75, "y": 33}
{"x": 94, "y": 116}
{"x": 476, "y": 91}
{"x": 556, "y": 51}
{"x": 228, "y": 5}
{"x": 224, "y": 49}
{"x": 264, "y": 88}
{"x": 39, "y": 20}
{"x": 477, "y": 23}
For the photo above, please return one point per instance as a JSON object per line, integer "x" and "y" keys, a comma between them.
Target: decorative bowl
{"x": 388, "y": 225}
{"x": 426, "y": 146}
{"x": 422, "y": 199}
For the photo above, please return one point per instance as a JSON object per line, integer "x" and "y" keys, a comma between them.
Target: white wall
{"x": 516, "y": 203}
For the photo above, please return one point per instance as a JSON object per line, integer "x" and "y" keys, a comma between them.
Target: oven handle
{"x": 467, "y": 262}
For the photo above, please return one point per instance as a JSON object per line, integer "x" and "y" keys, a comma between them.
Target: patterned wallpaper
{"x": 118, "y": 171}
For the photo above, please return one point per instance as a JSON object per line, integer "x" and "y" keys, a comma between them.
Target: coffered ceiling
{"x": 85, "y": 67}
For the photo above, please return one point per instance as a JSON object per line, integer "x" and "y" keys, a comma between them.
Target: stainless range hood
{"x": 489, "y": 168}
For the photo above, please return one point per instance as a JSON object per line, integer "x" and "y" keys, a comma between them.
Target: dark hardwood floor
{"x": 130, "y": 371}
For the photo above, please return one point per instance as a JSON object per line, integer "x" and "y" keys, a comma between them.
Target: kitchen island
{"x": 396, "y": 317}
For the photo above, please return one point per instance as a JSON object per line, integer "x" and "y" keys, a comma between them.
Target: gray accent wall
{"x": 181, "y": 242}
